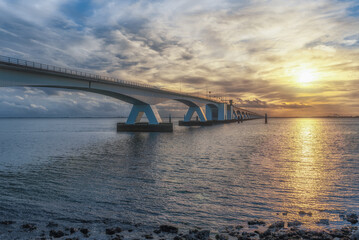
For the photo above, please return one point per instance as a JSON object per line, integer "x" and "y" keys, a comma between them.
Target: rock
{"x": 256, "y": 222}
{"x": 336, "y": 233}
{"x": 355, "y": 235}
{"x": 302, "y": 213}
{"x": 148, "y": 236}
{"x": 73, "y": 230}
{"x": 112, "y": 231}
{"x": 29, "y": 226}
{"x": 177, "y": 238}
{"x": 168, "y": 229}
{"x": 84, "y": 231}
{"x": 56, "y": 234}
{"x": 7, "y": 222}
{"x": 323, "y": 222}
{"x": 157, "y": 231}
{"x": 285, "y": 213}
{"x": 294, "y": 223}
{"x": 197, "y": 235}
{"x": 352, "y": 218}
{"x": 221, "y": 237}
{"x": 52, "y": 225}
{"x": 203, "y": 235}
{"x": 277, "y": 225}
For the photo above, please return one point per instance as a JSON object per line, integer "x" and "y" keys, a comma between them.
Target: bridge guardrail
{"x": 51, "y": 68}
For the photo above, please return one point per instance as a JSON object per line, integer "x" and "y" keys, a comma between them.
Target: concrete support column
{"x": 235, "y": 116}
{"x": 229, "y": 112}
{"x": 199, "y": 112}
{"x": 138, "y": 111}
{"x": 222, "y": 111}
{"x": 209, "y": 113}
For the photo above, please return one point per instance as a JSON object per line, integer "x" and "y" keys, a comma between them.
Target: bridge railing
{"x": 51, "y": 68}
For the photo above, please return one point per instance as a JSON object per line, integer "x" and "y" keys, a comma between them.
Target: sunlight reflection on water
{"x": 214, "y": 176}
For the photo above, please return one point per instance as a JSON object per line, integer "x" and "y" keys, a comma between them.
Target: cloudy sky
{"x": 287, "y": 58}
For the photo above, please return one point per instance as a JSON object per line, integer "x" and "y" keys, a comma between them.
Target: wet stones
{"x": 196, "y": 234}
{"x": 56, "y": 234}
{"x": 7, "y": 222}
{"x": 323, "y": 222}
{"x": 355, "y": 235}
{"x": 29, "y": 227}
{"x": 352, "y": 218}
{"x": 168, "y": 229}
{"x": 85, "y": 232}
{"x": 294, "y": 223}
{"x": 256, "y": 222}
{"x": 302, "y": 214}
{"x": 112, "y": 231}
{"x": 277, "y": 225}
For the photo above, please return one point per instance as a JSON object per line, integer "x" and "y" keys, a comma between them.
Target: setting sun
{"x": 306, "y": 76}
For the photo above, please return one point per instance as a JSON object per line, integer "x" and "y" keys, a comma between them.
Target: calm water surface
{"x": 82, "y": 170}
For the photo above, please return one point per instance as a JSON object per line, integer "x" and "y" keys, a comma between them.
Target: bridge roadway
{"x": 16, "y": 72}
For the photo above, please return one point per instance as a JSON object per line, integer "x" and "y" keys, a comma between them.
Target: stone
{"x": 323, "y": 222}
{"x": 7, "y": 222}
{"x": 294, "y": 223}
{"x": 203, "y": 235}
{"x": 29, "y": 226}
{"x": 277, "y": 225}
{"x": 256, "y": 222}
{"x": 355, "y": 235}
{"x": 84, "y": 231}
{"x": 73, "y": 230}
{"x": 221, "y": 237}
{"x": 168, "y": 229}
{"x": 148, "y": 236}
{"x": 52, "y": 225}
{"x": 112, "y": 231}
{"x": 56, "y": 234}
{"x": 352, "y": 218}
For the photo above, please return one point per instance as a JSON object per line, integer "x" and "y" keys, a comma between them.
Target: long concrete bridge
{"x": 16, "y": 72}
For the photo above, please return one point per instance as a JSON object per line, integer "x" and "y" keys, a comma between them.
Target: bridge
{"x": 144, "y": 97}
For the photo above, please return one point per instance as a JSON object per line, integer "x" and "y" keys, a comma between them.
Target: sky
{"x": 282, "y": 57}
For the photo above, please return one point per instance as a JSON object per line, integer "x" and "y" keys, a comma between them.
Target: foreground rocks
{"x": 253, "y": 229}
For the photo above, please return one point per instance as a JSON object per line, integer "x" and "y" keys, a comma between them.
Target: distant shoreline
{"x": 162, "y": 117}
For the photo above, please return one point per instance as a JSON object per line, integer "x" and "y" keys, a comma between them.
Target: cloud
{"x": 242, "y": 49}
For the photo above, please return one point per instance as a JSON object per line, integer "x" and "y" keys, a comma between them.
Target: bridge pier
{"x": 133, "y": 123}
{"x": 202, "y": 117}
{"x": 199, "y": 112}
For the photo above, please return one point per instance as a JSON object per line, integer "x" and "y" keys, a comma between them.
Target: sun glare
{"x": 306, "y": 76}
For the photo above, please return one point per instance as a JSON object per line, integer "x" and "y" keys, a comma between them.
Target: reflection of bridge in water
{"x": 15, "y": 72}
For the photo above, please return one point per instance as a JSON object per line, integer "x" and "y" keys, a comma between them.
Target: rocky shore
{"x": 252, "y": 229}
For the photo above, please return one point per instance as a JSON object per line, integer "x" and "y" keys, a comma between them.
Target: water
{"x": 81, "y": 170}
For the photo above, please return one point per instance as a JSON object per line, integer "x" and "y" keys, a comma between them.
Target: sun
{"x": 306, "y": 76}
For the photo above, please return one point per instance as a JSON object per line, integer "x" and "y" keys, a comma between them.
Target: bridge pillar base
{"x": 145, "y": 127}
{"x": 199, "y": 112}
{"x": 138, "y": 111}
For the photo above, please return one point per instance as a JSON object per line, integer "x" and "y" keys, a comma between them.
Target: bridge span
{"x": 16, "y": 72}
